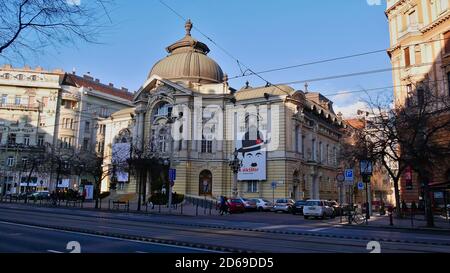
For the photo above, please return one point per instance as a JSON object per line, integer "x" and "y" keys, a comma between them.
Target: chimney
{"x": 97, "y": 80}
{"x": 124, "y": 89}
{"x": 111, "y": 85}
{"x": 88, "y": 76}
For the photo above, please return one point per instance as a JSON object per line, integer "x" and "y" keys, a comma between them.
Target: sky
{"x": 261, "y": 34}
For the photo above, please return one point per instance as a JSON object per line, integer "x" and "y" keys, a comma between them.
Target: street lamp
{"x": 366, "y": 172}
{"x": 235, "y": 165}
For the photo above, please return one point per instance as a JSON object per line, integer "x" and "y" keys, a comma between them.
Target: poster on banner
{"x": 120, "y": 155}
{"x": 89, "y": 192}
{"x": 64, "y": 183}
{"x": 251, "y": 145}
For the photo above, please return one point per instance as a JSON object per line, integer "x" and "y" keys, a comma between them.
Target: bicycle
{"x": 356, "y": 217}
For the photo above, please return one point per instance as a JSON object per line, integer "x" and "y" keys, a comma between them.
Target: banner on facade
{"x": 252, "y": 151}
{"x": 64, "y": 183}
{"x": 120, "y": 155}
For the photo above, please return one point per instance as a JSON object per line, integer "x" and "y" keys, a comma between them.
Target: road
{"x": 24, "y": 231}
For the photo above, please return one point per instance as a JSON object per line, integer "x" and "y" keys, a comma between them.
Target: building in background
{"x": 287, "y": 140}
{"x": 381, "y": 187}
{"x": 420, "y": 56}
{"x": 41, "y": 112}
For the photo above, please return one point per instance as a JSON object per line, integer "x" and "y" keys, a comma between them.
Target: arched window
{"x": 205, "y": 183}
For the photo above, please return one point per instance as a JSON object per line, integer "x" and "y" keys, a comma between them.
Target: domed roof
{"x": 188, "y": 60}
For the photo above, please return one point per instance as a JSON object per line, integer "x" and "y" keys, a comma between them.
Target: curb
{"x": 292, "y": 232}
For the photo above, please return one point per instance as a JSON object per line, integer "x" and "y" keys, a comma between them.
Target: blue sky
{"x": 262, "y": 34}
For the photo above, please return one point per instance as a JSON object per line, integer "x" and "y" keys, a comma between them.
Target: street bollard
{"x": 109, "y": 204}
{"x": 412, "y": 218}
{"x": 391, "y": 223}
{"x": 196, "y": 209}
{"x": 210, "y": 207}
{"x": 159, "y": 208}
{"x": 181, "y": 206}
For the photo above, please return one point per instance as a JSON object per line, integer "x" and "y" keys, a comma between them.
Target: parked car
{"x": 248, "y": 203}
{"x": 318, "y": 209}
{"x": 40, "y": 195}
{"x": 298, "y": 207}
{"x": 235, "y": 205}
{"x": 263, "y": 204}
{"x": 283, "y": 205}
{"x": 338, "y": 210}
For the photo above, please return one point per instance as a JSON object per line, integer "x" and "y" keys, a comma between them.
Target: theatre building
{"x": 186, "y": 112}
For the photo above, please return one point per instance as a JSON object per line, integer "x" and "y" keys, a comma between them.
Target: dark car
{"x": 297, "y": 208}
{"x": 235, "y": 205}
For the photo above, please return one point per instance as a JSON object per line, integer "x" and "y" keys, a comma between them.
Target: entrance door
{"x": 205, "y": 183}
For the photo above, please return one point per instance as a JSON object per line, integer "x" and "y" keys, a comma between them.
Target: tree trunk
{"x": 397, "y": 197}
{"x": 144, "y": 186}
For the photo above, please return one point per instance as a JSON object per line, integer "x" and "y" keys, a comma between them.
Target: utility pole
{"x": 235, "y": 165}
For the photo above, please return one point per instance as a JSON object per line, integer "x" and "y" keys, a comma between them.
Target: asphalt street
{"x": 18, "y": 238}
{"x": 264, "y": 233}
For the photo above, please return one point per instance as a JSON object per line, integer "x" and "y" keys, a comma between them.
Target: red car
{"x": 235, "y": 205}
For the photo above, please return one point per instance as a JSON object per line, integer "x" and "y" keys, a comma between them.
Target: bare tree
{"x": 31, "y": 25}
{"x": 408, "y": 136}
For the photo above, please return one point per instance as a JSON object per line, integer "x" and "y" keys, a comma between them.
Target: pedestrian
{"x": 222, "y": 205}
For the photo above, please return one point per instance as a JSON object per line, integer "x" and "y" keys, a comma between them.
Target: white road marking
{"x": 319, "y": 229}
{"x": 111, "y": 238}
{"x": 431, "y": 238}
{"x": 53, "y": 251}
{"x": 114, "y": 228}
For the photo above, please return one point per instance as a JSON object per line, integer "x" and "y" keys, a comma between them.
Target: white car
{"x": 318, "y": 209}
{"x": 263, "y": 204}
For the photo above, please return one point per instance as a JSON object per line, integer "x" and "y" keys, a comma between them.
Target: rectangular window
{"x": 313, "y": 149}
{"x": 327, "y": 154}
{"x": 320, "y": 152}
{"x": 407, "y": 57}
{"x": 26, "y": 140}
{"x": 12, "y": 139}
{"x": 17, "y": 100}
{"x": 206, "y": 146}
{"x": 297, "y": 139}
{"x": 252, "y": 186}
{"x": 418, "y": 55}
{"x": 303, "y": 146}
{"x": 85, "y": 144}
{"x": 40, "y": 140}
{"x": 10, "y": 161}
{"x": 412, "y": 18}
{"x": 448, "y": 83}
{"x": 87, "y": 126}
{"x": 4, "y": 99}
{"x": 409, "y": 90}
{"x": 420, "y": 96}
{"x": 447, "y": 42}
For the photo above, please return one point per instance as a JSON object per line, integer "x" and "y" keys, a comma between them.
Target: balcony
{"x": 22, "y": 107}
{"x": 410, "y": 30}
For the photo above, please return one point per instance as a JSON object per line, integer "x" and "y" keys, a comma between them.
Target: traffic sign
{"x": 340, "y": 177}
{"x": 172, "y": 175}
{"x": 348, "y": 174}
{"x": 360, "y": 185}
{"x": 274, "y": 184}
{"x": 365, "y": 167}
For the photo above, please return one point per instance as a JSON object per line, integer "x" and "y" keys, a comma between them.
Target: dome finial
{"x": 188, "y": 27}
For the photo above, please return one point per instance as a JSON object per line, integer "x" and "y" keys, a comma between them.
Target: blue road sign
{"x": 274, "y": 184}
{"x": 172, "y": 174}
{"x": 349, "y": 175}
{"x": 360, "y": 185}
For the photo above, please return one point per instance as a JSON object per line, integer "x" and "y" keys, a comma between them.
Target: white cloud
{"x": 74, "y": 2}
{"x": 350, "y": 111}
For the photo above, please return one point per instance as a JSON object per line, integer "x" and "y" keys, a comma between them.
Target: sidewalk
{"x": 406, "y": 223}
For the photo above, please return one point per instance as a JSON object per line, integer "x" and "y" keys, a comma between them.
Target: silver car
{"x": 283, "y": 205}
{"x": 318, "y": 209}
{"x": 263, "y": 204}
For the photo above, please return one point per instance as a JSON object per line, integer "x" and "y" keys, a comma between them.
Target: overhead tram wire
{"x": 355, "y": 74}
{"x": 239, "y": 63}
{"x": 328, "y": 60}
